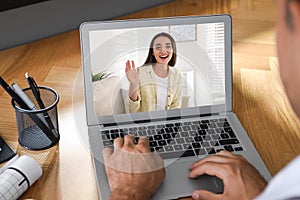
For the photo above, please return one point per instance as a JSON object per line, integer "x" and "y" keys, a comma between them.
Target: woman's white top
{"x": 285, "y": 185}
{"x": 162, "y": 92}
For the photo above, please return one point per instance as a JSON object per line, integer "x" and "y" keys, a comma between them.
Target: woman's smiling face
{"x": 162, "y": 50}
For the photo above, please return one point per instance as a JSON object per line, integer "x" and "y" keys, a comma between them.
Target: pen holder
{"x": 38, "y": 128}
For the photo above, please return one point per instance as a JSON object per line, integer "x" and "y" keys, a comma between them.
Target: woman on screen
{"x": 156, "y": 85}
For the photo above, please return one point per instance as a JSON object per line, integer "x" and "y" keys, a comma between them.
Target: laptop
{"x": 203, "y": 124}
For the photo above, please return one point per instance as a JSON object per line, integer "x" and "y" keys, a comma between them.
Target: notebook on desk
{"x": 203, "y": 124}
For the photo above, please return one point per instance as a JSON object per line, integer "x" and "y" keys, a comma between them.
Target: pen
{"x": 23, "y": 105}
{"x": 36, "y": 94}
{"x": 13, "y": 94}
{"x": 15, "y": 87}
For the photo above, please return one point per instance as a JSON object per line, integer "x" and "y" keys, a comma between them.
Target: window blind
{"x": 216, "y": 53}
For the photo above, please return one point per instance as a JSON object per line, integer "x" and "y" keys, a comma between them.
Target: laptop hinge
{"x": 224, "y": 113}
{"x": 164, "y": 119}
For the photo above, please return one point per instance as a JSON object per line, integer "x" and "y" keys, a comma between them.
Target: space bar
{"x": 177, "y": 154}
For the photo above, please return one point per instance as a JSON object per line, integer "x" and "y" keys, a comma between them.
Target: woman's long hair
{"x": 151, "y": 58}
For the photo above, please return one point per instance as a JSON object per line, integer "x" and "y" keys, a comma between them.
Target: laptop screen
{"x": 179, "y": 68}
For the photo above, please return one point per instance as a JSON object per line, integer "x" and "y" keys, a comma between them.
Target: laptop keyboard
{"x": 173, "y": 140}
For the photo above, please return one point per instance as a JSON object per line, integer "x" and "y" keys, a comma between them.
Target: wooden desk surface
{"x": 259, "y": 99}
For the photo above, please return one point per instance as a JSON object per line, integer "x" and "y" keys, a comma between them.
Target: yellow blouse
{"x": 147, "y": 98}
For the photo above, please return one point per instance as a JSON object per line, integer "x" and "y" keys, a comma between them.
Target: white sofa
{"x": 109, "y": 97}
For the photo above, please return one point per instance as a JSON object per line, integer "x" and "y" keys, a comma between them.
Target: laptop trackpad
{"x": 178, "y": 184}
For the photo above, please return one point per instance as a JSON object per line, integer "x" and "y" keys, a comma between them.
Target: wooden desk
{"x": 259, "y": 100}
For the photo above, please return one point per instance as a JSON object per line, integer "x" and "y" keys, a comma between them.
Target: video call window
{"x": 199, "y": 68}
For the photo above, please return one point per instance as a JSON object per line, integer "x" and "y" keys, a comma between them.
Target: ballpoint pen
{"x": 23, "y": 105}
{"x": 13, "y": 94}
{"x": 36, "y": 93}
{"x": 27, "y": 101}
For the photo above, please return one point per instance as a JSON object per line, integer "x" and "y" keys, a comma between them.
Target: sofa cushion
{"x": 107, "y": 96}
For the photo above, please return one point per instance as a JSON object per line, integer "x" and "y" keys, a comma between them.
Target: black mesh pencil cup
{"x": 38, "y": 128}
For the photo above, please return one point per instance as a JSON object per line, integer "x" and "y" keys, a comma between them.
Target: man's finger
{"x": 205, "y": 195}
{"x": 211, "y": 168}
{"x": 223, "y": 157}
{"x": 107, "y": 152}
{"x": 226, "y": 153}
{"x": 128, "y": 141}
{"x": 143, "y": 144}
{"x": 118, "y": 142}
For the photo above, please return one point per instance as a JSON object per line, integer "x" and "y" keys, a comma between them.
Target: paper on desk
{"x": 18, "y": 177}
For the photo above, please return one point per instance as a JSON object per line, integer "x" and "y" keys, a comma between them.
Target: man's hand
{"x": 133, "y": 171}
{"x": 241, "y": 180}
